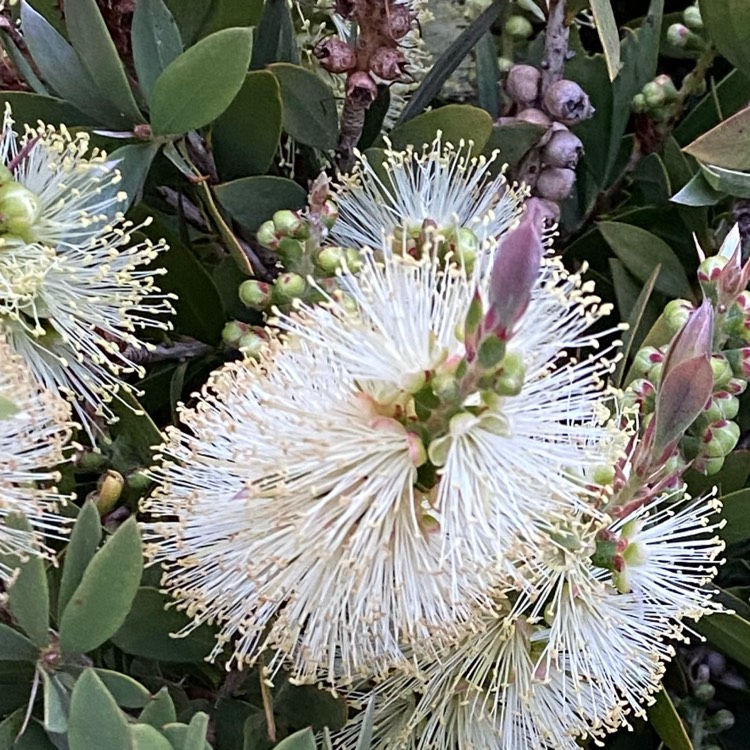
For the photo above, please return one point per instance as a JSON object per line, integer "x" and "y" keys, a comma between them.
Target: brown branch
{"x": 555, "y": 44}
{"x": 185, "y": 349}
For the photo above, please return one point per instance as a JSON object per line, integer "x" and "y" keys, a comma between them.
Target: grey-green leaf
{"x": 727, "y": 22}
{"x": 697, "y": 193}
{"x": 727, "y": 180}
{"x": 276, "y": 40}
{"x": 302, "y": 740}
{"x": 663, "y": 717}
{"x": 606, "y": 27}
{"x": 95, "y": 721}
{"x": 134, "y": 162}
{"x": 195, "y": 737}
{"x": 84, "y": 541}
{"x": 96, "y": 50}
{"x": 156, "y": 41}
{"x": 28, "y": 595}
{"x": 159, "y": 710}
{"x": 56, "y": 703}
{"x": 201, "y": 83}
{"x": 126, "y": 691}
{"x": 146, "y": 737}
{"x": 15, "y": 646}
{"x": 102, "y": 600}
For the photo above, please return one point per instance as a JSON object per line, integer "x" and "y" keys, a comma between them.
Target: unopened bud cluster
{"x": 687, "y": 35}
{"x": 20, "y": 208}
{"x": 659, "y": 99}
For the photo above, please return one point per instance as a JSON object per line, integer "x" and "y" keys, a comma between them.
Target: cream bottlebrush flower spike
{"x": 353, "y": 490}
{"x": 74, "y": 291}
{"x": 441, "y": 186}
{"x": 575, "y": 663}
{"x": 34, "y": 428}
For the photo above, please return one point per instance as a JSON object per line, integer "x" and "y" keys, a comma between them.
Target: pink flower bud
{"x": 563, "y": 150}
{"x": 361, "y": 88}
{"x": 567, "y": 102}
{"x": 522, "y": 84}
{"x": 388, "y": 64}
{"x": 398, "y": 21}
{"x": 335, "y": 55}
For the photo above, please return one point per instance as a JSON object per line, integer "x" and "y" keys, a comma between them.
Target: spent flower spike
{"x": 74, "y": 289}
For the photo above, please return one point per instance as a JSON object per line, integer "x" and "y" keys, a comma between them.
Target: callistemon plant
{"x": 75, "y": 290}
{"x": 394, "y": 454}
{"x": 34, "y": 428}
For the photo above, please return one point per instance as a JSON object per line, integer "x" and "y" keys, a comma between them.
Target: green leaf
{"x": 96, "y": 50}
{"x": 309, "y": 705}
{"x": 457, "y": 122}
{"x": 56, "y": 703}
{"x": 663, "y": 717}
{"x": 9, "y": 728}
{"x": 134, "y": 162}
{"x": 731, "y": 478}
{"x": 727, "y": 180}
{"x": 84, "y": 541}
{"x": 310, "y": 115}
{"x": 195, "y": 737}
{"x": 156, "y": 41}
{"x": 61, "y": 68}
{"x": 730, "y": 634}
{"x": 726, "y": 145}
{"x": 488, "y": 75}
{"x": 364, "y": 741}
{"x": 147, "y": 738}
{"x": 698, "y": 193}
{"x": 159, "y": 710}
{"x": 727, "y": 22}
{"x": 449, "y": 60}
{"x": 148, "y": 628}
{"x": 29, "y": 108}
{"x": 22, "y": 65}
{"x": 126, "y": 691}
{"x": 239, "y": 150}
{"x": 102, "y": 600}
{"x": 201, "y": 83}
{"x": 135, "y": 432}
{"x": 177, "y": 734}
{"x": 190, "y": 16}
{"x": 34, "y": 738}
{"x": 641, "y": 252}
{"x": 95, "y": 721}
{"x": 253, "y": 200}
{"x": 226, "y": 13}
{"x": 276, "y": 37}
{"x": 15, "y": 646}
{"x": 736, "y": 511}
{"x": 374, "y": 118}
{"x": 606, "y": 27}
{"x": 512, "y": 141}
{"x": 28, "y": 595}
{"x": 302, "y": 740}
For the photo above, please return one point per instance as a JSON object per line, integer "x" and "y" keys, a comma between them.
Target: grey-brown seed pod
{"x": 335, "y": 55}
{"x": 522, "y": 84}
{"x": 361, "y": 87}
{"x": 563, "y": 150}
{"x": 555, "y": 183}
{"x": 567, "y": 102}
{"x": 535, "y": 116}
{"x": 388, "y": 64}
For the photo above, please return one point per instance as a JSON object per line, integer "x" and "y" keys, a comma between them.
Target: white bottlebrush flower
{"x": 34, "y": 428}
{"x": 439, "y": 184}
{"x": 300, "y": 509}
{"x": 74, "y": 291}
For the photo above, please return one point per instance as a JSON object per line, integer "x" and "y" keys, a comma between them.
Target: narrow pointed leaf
{"x": 159, "y": 710}
{"x": 15, "y": 646}
{"x": 146, "y": 737}
{"x": 663, "y": 717}
{"x": 606, "y": 27}
{"x": 302, "y": 740}
{"x": 56, "y": 703}
{"x": 727, "y": 145}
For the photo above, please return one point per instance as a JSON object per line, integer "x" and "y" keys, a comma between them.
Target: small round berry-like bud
{"x": 463, "y": 243}
{"x": 290, "y": 251}
{"x": 5, "y": 174}
{"x": 255, "y": 294}
{"x": 522, "y": 84}
{"x": 564, "y": 149}
{"x": 361, "y": 88}
{"x": 695, "y": 83}
{"x": 398, "y": 21}
{"x": 639, "y": 104}
{"x": 676, "y": 314}
{"x": 645, "y": 361}
{"x": 692, "y": 17}
{"x": 233, "y": 331}
{"x": 137, "y": 481}
{"x": 710, "y": 269}
{"x": 722, "y": 720}
{"x": 511, "y": 378}
{"x": 567, "y": 102}
{"x": 504, "y": 64}
{"x": 289, "y": 286}
{"x": 679, "y": 35}
{"x": 290, "y": 224}
{"x": 267, "y": 236}
{"x": 720, "y": 439}
{"x": 329, "y": 214}
{"x": 555, "y": 183}
{"x": 534, "y": 116}
{"x": 330, "y": 259}
{"x": 108, "y": 491}
{"x": 654, "y": 94}
{"x": 667, "y": 84}
{"x": 251, "y": 344}
{"x": 727, "y": 404}
{"x": 722, "y": 370}
{"x": 519, "y": 27}
{"x": 353, "y": 260}
{"x": 335, "y": 55}
{"x": 19, "y": 210}
{"x": 388, "y": 64}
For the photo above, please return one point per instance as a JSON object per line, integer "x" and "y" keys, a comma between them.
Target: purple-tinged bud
{"x": 267, "y": 236}
{"x": 736, "y": 386}
{"x": 645, "y": 361}
{"x": 291, "y": 224}
{"x": 739, "y": 361}
{"x": 667, "y": 85}
{"x": 709, "y": 271}
{"x": 255, "y": 294}
{"x": 289, "y": 286}
{"x": 361, "y": 88}
{"x": 388, "y": 64}
{"x": 397, "y": 21}
{"x": 329, "y": 214}
{"x": 720, "y": 439}
{"x": 548, "y": 211}
{"x": 335, "y": 55}
{"x": 554, "y": 183}
{"x": 522, "y": 84}
{"x": 679, "y": 35}
{"x": 514, "y": 273}
{"x": 676, "y": 314}
{"x": 721, "y": 369}
{"x": 563, "y": 149}
{"x": 534, "y": 116}
{"x": 567, "y": 102}
{"x": 233, "y": 331}
{"x": 640, "y": 393}
{"x": 727, "y": 404}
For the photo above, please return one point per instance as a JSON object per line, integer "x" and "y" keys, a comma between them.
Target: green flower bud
{"x": 692, "y": 18}
{"x": 267, "y": 235}
{"x": 510, "y": 379}
{"x": 5, "y": 174}
{"x": 667, "y": 85}
{"x": 710, "y": 269}
{"x": 91, "y": 461}
{"x": 704, "y": 692}
{"x": 654, "y": 94}
{"x": 464, "y": 245}
{"x": 251, "y": 344}
{"x": 504, "y": 64}
{"x": 722, "y": 370}
{"x": 519, "y": 27}
{"x": 639, "y": 104}
{"x": 255, "y": 294}
{"x": 291, "y": 224}
{"x": 232, "y": 332}
{"x": 108, "y": 491}
{"x": 330, "y": 259}
{"x": 290, "y": 251}
{"x": 19, "y": 210}
{"x": 728, "y": 404}
{"x": 645, "y": 361}
{"x": 679, "y": 35}
{"x": 720, "y": 721}
{"x": 353, "y": 260}
{"x": 720, "y": 439}
{"x": 329, "y": 214}
{"x": 289, "y": 286}
{"x": 138, "y": 481}
{"x": 603, "y": 475}
{"x": 676, "y": 314}
{"x": 695, "y": 83}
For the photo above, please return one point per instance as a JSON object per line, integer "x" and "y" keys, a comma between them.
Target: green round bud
{"x": 267, "y": 236}
{"x": 722, "y": 720}
{"x": 645, "y": 361}
{"x": 519, "y": 27}
{"x": 329, "y": 214}
{"x": 695, "y": 83}
{"x": 679, "y": 35}
{"x": 465, "y": 246}
{"x": 639, "y": 104}
{"x": 710, "y": 269}
{"x": 232, "y": 332}
{"x": 290, "y": 251}
{"x": 603, "y": 475}
{"x": 722, "y": 370}
{"x": 290, "y": 224}
{"x": 91, "y": 461}
{"x": 728, "y": 404}
{"x": 504, "y": 64}
{"x": 19, "y": 210}
{"x": 289, "y": 286}
{"x": 137, "y": 481}
{"x": 511, "y": 377}
{"x": 255, "y": 294}
{"x": 330, "y": 259}
{"x": 676, "y": 314}
{"x": 692, "y": 18}
{"x": 667, "y": 85}
{"x": 5, "y": 174}
{"x": 704, "y": 692}
{"x": 654, "y": 94}
{"x": 720, "y": 439}
{"x": 353, "y": 260}
{"x": 709, "y": 466}
{"x": 251, "y": 344}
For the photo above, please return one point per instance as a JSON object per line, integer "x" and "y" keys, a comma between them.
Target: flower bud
{"x": 710, "y": 269}
{"x": 722, "y": 720}
{"x": 511, "y": 378}
{"x": 640, "y": 393}
{"x": 522, "y": 84}
{"x": 723, "y": 405}
{"x": 5, "y": 174}
{"x": 335, "y": 55}
{"x": 464, "y": 245}
{"x": 695, "y": 83}
{"x": 534, "y": 116}
{"x": 233, "y": 331}
{"x": 330, "y": 259}
{"x": 676, "y": 314}
{"x": 639, "y": 104}
{"x": 329, "y": 214}
{"x": 519, "y": 27}
{"x": 90, "y": 460}
{"x": 667, "y": 85}
{"x": 692, "y": 18}
{"x": 289, "y": 286}
{"x": 654, "y": 95}
{"x": 255, "y": 294}
{"x": 108, "y": 491}
{"x": 138, "y": 481}
{"x": 708, "y": 466}
{"x": 720, "y": 439}
{"x": 645, "y": 361}
{"x": 736, "y": 386}
{"x": 397, "y": 21}
{"x": 19, "y": 210}
{"x": 267, "y": 236}
{"x": 678, "y": 35}
{"x": 388, "y": 64}
{"x": 739, "y": 361}
{"x": 563, "y": 150}
{"x": 290, "y": 251}
{"x": 567, "y": 102}
{"x": 251, "y": 344}
{"x": 290, "y": 224}
{"x": 353, "y": 260}
{"x": 555, "y": 183}
{"x": 361, "y": 88}
{"x": 504, "y": 65}
{"x": 721, "y": 369}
